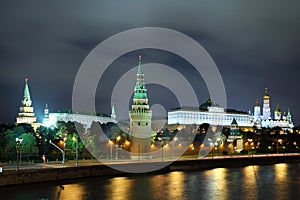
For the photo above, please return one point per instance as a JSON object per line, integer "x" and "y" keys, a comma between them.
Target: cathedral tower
{"x": 277, "y": 113}
{"x": 140, "y": 118}
{"x": 266, "y": 105}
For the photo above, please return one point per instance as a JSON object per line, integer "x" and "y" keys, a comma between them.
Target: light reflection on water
{"x": 280, "y": 181}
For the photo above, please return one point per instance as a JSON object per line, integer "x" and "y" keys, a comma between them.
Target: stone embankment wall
{"x": 68, "y": 173}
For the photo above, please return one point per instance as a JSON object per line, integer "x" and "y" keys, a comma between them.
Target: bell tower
{"x": 266, "y": 105}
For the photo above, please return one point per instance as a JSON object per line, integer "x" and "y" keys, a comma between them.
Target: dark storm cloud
{"x": 255, "y": 44}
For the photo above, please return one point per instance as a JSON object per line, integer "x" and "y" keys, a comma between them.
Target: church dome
{"x": 277, "y": 110}
{"x": 208, "y": 103}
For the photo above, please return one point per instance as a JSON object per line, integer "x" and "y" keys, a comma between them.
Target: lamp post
{"x": 249, "y": 142}
{"x": 76, "y": 142}
{"x": 111, "y": 149}
{"x": 279, "y": 140}
{"x": 117, "y": 145}
{"x": 62, "y": 151}
{"x": 65, "y": 139}
{"x": 162, "y": 149}
{"x": 18, "y": 144}
{"x": 174, "y": 140}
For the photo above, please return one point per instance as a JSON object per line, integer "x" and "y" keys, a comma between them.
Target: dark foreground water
{"x": 280, "y": 181}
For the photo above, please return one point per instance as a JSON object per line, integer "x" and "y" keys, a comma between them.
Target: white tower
{"x": 266, "y": 106}
{"x": 277, "y": 113}
{"x": 256, "y": 110}
{"x": 46, "y": 116}
{"x": 113, "y": 112}
{"x": 140, "y": 119}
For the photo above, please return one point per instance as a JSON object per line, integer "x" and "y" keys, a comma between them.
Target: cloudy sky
{"x": 255, "y": 44}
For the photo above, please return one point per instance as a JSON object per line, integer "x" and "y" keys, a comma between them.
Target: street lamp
{"x": 249, "y": 142}
{"x": 280, "y": 141}
{"x": 111, "y": 144}
{"x": 65, "y": 139}
{"x": 162, "y": 149}
{"x": 212, "y": 150}
{"x": 117, "y": 146}
{"x": 62, "y": 151}
{"x": 76, "y": 141}
{"x": 174, "y": 140}
{"x": 18, "y": 144}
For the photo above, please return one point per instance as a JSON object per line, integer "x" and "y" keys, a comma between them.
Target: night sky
{"x": 255, "y": 44}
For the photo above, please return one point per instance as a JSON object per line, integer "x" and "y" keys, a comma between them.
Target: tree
{"x": 29, "y": 145}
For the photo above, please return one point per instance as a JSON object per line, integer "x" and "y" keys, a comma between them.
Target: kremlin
{"x": 140, "y": 140}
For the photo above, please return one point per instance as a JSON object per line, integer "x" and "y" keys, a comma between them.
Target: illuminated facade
{"x": 84, "y": 119}
{"x": 210, "y": 113}
{"x": 140, "y": 119}
{"x": 26, "y": 114}
{"x": 265, "y": 120}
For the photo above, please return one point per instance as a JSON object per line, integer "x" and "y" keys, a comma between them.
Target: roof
{"x": 208, "y": 103}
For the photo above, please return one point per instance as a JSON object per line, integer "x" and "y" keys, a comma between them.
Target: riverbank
{"x": 67, "y": 173}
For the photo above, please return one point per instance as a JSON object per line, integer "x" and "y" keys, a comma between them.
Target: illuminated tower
{"x": 289, "y": 117}
{"x": 266, "y": 106}
{"x": 113, "y": 112}
{"x": 277, "y": 113}
{"x": 140, "y": 118}
{"x": 26, "y": 114}
{"x": 46, "y": 116}
{"x": 256, "y": 111}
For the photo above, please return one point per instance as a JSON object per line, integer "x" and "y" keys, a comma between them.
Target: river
{"x": 280, "y": 181}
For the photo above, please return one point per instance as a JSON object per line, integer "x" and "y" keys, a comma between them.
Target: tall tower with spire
{"x": 266, "y": 105}
{"x": 26, "y": 114}
{"x": 140, "y": 118}
{"x": 113, "y": 112}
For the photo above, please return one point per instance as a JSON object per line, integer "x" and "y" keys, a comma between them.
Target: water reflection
{"x": 119, "y": 188}
{"x": 280, "y": 180}
{"x": 177, "y": 185}
{"x": 250, "y": 185}
{"x": 217, "y": 183}
{"x": 72, "y": 191}
{"x": 168, "y": 186}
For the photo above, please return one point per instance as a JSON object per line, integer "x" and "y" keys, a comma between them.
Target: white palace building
{"x": 211, "y": 113}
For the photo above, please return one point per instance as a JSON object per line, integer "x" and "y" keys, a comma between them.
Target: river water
{"x": 280, "y": 181}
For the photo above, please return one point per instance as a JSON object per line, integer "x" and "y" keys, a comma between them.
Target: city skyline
{"x": 252, "y": 51}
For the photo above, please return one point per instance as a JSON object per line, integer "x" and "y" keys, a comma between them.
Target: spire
{"x": 113, "y": 112}
{"x": 26, "y": 101}
{"x": 140, "y": 70}
{"x": 266, "y": 92}
{"x": 277, "y": 108}
{"x": 257, "y": 104}
{"x": 140, "y": 91}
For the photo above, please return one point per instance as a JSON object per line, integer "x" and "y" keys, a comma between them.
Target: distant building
{"x": 50, "y": 119}
{"x": 26, "y": 113}
{"x": 208, "y": 112}
{"x": 265, "y": 120}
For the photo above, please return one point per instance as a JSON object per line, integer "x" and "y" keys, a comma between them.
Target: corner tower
{"x": 26, "y": 114}
{"x": 140, "y": 118}
{"x": 266, "y": 105}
